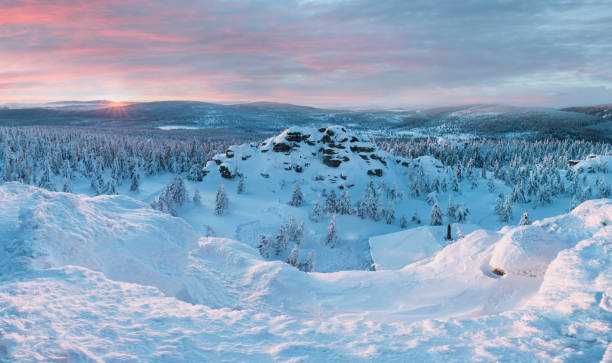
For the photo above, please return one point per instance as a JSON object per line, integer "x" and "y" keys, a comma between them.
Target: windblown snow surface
{"x": 109, "y": 279}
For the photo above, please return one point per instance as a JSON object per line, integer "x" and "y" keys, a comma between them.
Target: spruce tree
{"x": 197, "y": 199}
{"x": 436, "y": 215}
{"x": 524, "y": 219}
{"x": 451, "y": 208}
{"x": 344, "y": 203}
{"x": 506, "y": 214}
{"x": 461, "y": 213}
{"x": 403, "y": 222}
{"x": 310, "y": 262}
{"x": 294, "y": 257}
{"x": 297, "y": 198}
{"x": 221, "y": 202}
{"x": 331, "y": 203}
{"x": 415, "y": 217}
{"x": 67, "y": 186}
{"x": 317, "y": 210}
{"x": 331, "y": 238}
{"x": 240, "y": 187}
{"x": 390, "y": 218}
{"x": 266, "y": 248}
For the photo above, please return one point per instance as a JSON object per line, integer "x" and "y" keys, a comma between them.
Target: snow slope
{"x": 107, "y": 278}
{"x": 395, "y": 250}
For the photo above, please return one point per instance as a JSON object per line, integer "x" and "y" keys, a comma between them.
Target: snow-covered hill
{"x": 330, "y": 157}
{"x": 107, "y": 278}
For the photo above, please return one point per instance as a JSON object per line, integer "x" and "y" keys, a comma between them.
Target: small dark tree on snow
{"x": 297, "y": 198}
{"x": 436, "y": 215}
{"x": 403, "y": 222}
{"x": 221, "y": 202}
{"x": 390, "y": 218}
{"x": 294, "y": 257}
{"x": 331, "y": 238}
{"x": 317, "y": 210}
{"x": 197, "y": 199}
{"x": 524, "y": 219}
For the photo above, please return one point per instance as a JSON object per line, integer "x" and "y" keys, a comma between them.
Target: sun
{"x": 116, "y": 103}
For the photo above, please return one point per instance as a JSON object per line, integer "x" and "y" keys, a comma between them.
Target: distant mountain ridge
{"x": 491, "y": 120}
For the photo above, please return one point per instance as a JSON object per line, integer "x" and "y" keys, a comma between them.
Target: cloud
{"x": 349, "y": 52}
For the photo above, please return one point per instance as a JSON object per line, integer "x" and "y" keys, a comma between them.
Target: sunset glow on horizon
{"x": 311, "y": 52}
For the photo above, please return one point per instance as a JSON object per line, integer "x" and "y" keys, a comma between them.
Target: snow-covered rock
{"x": 328, "y": 157}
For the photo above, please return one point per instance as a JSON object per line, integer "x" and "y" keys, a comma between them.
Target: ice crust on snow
{"x": 107, "y": 278}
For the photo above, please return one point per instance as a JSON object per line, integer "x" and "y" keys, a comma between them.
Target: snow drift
{"x": 102, "y": 278}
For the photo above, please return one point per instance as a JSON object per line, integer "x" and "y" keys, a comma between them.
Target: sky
{"x": 355, "y": 53}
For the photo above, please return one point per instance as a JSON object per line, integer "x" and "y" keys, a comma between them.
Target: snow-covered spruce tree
{"x": 197, "y": 199}
{"x": 415, "y": 217}
{"x": 455, "y": 186}
{"x": 266, "y": 246}
{"x": 281, "y": 242}
{"x": 390, "y": 218}
{"x": 221, "y": 201}
{"x": 177, "y": 190}
{"x": 435, "y": 185}
{"x": 436, "y": 215}
{"x": 451, "y": 208}
{"x": 45, "y": 179}
{"x": 461, "y": 212}
{"x": 524, "y": 219}
{"x": 317, "y": 211}
{"x": 297, "y": 198}
{"x": 403, "y": 222}
{"x": 294, "y": 256}
{"x": 431, "y": 198}
{"x": 344, "y": 203}
{"x": 67, "y": 188}
{"x": 111, "y": 187}
{"x": 309, "y": 266}
{"x": 395, "y": 193}
{"x": 195, "y": 173}
{"x": 331, "y": 203}
{"x": 295, "y": 233}
{"x": 135, "y": 178}
{"x": 506, "y": 214}
{"x": 490, "y": 185}
{"x": 499, "y": 204}
{"x": 378, "y": 211}
{"x": 240, "y": 187}
{"x": 331, "y": 238}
